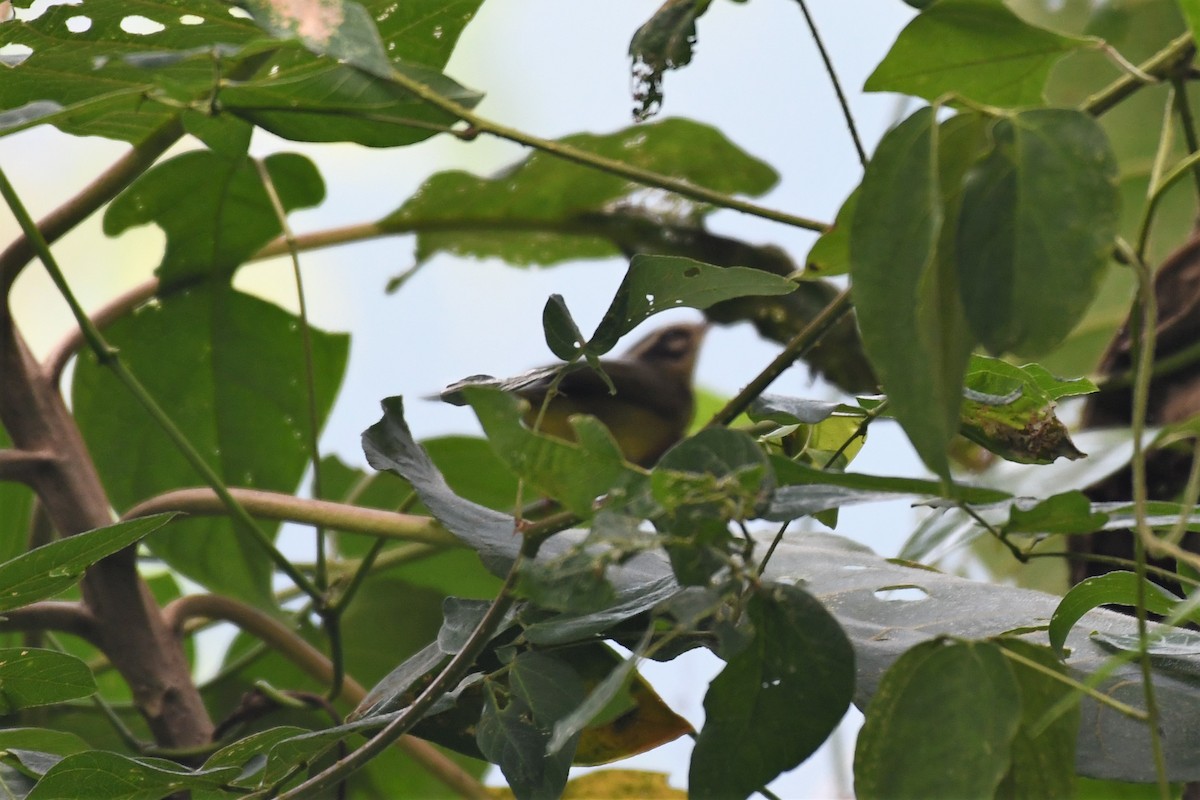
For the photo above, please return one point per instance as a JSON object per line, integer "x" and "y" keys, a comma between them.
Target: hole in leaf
{"x": 902, "y": 593}
{"x": 13, "y": 54}
{"x": 79, "y": 24}
{"x": 691, "y": 272}
{"x": 853, "y": 566}
{"x": 191, "y": 19}
{"x": 240, "y": 13}
{"x": 141, "y": 26}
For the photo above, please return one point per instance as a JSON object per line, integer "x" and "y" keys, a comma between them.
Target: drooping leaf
{"x": 228, "y": 369}
{"x": 52, "y": 568}
{"x": 538, "y": 211}
{"x": 905, "y": 283}
{"x": 32, "y": 676}
{"x": 1068, "y": 512}
{"x": 228, "y": 215}
{"x": 963, "y": 691}
{"x": 977, "y": 49}
{"x": 796, "y": 675}
{"x": 508, "y": 736}
{"x": 1039, "y": 213}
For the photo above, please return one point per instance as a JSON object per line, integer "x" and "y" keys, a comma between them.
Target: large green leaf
{"x": 941, "y": 724}
{"x": 16, "y": 507}
{"x": 1039, "y": 214}
{"x": 227, "y": 368}
{"x": 105, "y": 81}
{"x": 537, "y": 212}
{"x": 796, "y": 675}
{"x": 227, "y": 215}
{"x": 976, "y": 49}
{"x": 81, "y": 77}
{"x": 905, "y": 283}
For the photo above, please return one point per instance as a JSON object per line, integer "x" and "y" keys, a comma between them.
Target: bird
{"x": 650, "y": 410}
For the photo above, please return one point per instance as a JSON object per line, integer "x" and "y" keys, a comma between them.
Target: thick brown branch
{"x": 288, "y": 508}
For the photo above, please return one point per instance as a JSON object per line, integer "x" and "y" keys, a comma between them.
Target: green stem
{"x": 478, "y": 125}
{"x": 320, "y": 575}
{"x": 107, "y": 356}
{"x": 1162, "y": 64}
{"x": 1143, "y": 327}
{"x": 1187, "y": 123}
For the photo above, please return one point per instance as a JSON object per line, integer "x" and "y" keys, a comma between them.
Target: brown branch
{"x": 288, "y": 508}
{"x": 22, "y": 466}
{"x": 288, "y": 644}
{"x": 53, "y": 615}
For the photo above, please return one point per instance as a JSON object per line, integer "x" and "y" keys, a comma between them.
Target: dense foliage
{"x": 1016, "y": 212}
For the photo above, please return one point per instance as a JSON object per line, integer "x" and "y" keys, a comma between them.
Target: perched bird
{"x": 650, "y": 411}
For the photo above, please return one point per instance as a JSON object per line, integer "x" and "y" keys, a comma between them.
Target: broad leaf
{"x": 539, "y": 211}
{"x": 905, "y": 284}
{"x": 1039, "y": 213}
{"x": 227, "y": 368}
{"x": 796, "y": 675}
{"x": 941, "y": 724}
{"x": 663, "y": 42}
{"x": 977, "y": 49}
{"x": 228, "y": 215}
{"x": 1112, "y": 588}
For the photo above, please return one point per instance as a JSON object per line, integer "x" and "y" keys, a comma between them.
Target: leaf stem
{"x": 1166, "y": 61}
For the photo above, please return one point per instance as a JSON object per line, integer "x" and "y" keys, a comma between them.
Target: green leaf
{"x": 309, "y": 100}
{"x": 16, "y": 508}
{"x": 99, "y": 775}
{"x": 793, "y": 410}
{"x": 1069, "y": 512}
{"x": 32, "y": 677}
{"x": 540, "y": 211}
{"x": 796, "y": 675}
{"x": 905, "y": 285}
{"x": 246, "y": 754}
{"x": 1112, "y": 588}
{"x": 1039, "y": 214}
{"x": 941, "y": 724}
{"x": 62, "y": 743}
{"x": 53, "y": 568}
{"x": 830, "y": 254}
{"x": 575, "y": 473}
{"x": 509, "y": 738}
{"x": 663, "y": 42}
{"x": 341, "y": 29}
{"x": 1010, "y": 410}
{"x": 1043, "y": 757}
{"x": 227, "y": 368}
{"x": 976, "y": 49}
{"x": 228, "y": 215}
{"x": 1191, "y": 12}
{"x": 1162, "y": 644}
{"x": 85, "y": 74}
{"x": 659, "y": 283}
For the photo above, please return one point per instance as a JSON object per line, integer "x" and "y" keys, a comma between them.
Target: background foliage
{"x": 1006, "y": 216}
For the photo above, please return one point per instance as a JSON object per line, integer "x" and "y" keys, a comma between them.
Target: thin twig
{"x": 22, "y": 466}
{"x": 1162, "y": 64}
{"x": 54, "y": 615}
{"x": 796, "y": 348}
{"x": 837, "y": 85}
{"x": 110, "y": 312}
